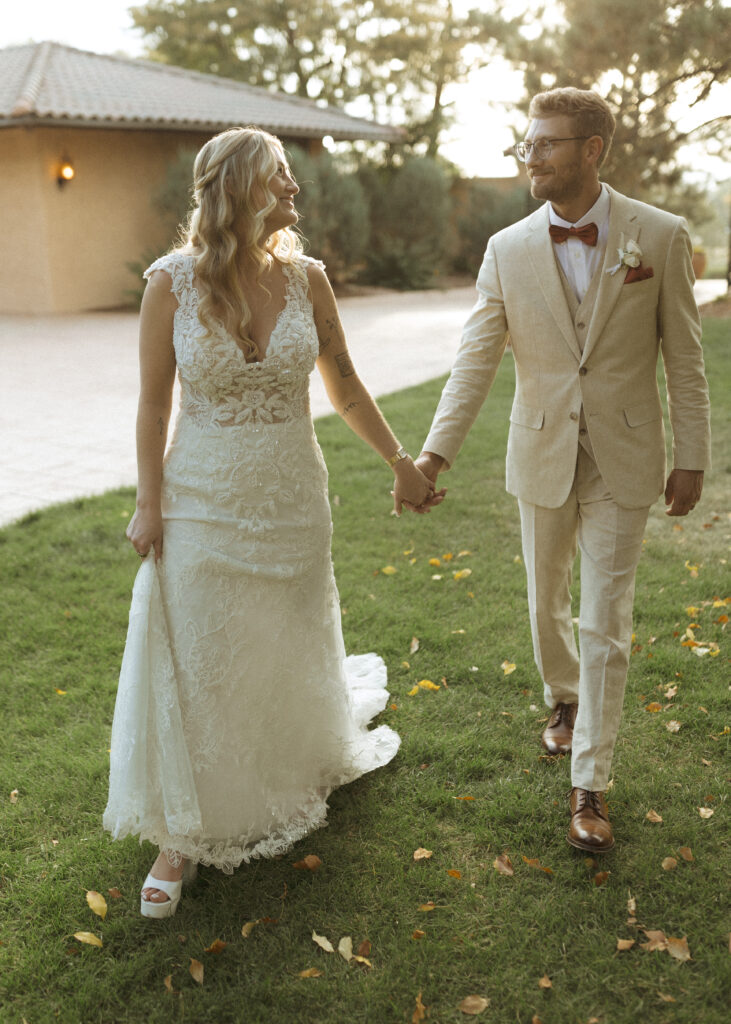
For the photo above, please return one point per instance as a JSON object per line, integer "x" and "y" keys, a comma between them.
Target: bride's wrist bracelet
{"x": 398, "y": 456}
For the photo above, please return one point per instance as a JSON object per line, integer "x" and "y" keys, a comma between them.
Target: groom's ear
{"x": 593, "y": 148}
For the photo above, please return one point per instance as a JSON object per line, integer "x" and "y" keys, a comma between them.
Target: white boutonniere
{"x": 630, "y": 255}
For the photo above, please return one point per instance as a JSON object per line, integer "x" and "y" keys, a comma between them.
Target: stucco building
{"x": 113, "y": 125}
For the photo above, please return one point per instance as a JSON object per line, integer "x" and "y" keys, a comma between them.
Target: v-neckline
{"x": 227, "y": 334}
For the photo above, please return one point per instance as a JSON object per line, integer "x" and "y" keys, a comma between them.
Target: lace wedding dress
{"x": 237, "y": 711}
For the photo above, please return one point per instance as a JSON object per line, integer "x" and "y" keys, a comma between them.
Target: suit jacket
{"x": 614, "y": 379}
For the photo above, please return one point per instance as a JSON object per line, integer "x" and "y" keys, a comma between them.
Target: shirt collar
{"x": 598, "y": 214}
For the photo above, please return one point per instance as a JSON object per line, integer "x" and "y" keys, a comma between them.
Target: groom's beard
{"x": 558, "y": 185}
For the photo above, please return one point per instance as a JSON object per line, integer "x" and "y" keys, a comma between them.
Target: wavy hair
{"x": 231, "y": 178}
{"x": 592, "y": 115}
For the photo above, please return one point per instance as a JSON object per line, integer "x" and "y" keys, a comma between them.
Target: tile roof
{"x": 48, "y": 83}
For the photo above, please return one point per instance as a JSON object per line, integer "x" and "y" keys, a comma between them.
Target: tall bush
{"x": 481, "y": 211}
{"x": 410, "y": 209}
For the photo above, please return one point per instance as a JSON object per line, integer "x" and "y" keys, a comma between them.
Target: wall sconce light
{"x": 66, "y": 172}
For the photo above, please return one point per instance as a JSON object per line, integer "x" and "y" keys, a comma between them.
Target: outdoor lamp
{"x": 66, "y": 172}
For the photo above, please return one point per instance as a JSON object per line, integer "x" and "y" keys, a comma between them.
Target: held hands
{"x": 145, "y": 531}
{"x": 683, "y": 491}
{"x": 414, "y": 487}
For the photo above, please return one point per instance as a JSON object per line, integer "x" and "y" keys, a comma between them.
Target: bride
{"x": 237, "y": 710}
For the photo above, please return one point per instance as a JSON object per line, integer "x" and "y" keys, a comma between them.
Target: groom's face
{"x": 562, "y": 175}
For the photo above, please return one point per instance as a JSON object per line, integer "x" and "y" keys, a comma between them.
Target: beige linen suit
{"x": 586, "y": 436}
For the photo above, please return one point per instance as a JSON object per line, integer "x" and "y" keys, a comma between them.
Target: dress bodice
{"x": 219, "y": 388}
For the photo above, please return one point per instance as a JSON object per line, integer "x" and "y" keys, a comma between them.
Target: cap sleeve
{"x": 181, "y": 267}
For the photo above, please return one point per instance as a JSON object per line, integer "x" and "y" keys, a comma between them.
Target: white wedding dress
{"x": 237, "y": 711}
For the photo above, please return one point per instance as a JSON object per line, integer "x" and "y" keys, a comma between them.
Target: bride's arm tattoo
{"x": 349, "y": 407}
{"x": 345, "y": 364}
{"x": 333, "y": 327}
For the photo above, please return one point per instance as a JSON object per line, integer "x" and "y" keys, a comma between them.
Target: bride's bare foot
{"x": 165, "y": 872}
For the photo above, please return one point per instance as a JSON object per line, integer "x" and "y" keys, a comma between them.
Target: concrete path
{"x": 68, "y": 385}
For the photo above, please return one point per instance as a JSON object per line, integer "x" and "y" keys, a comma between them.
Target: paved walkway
{"x": 68, "y": 385}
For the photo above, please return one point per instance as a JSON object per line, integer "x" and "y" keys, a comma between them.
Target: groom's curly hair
{"x": 592, "y": 115}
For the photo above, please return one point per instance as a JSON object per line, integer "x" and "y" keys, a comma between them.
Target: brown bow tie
{"x": 587, "y": 233}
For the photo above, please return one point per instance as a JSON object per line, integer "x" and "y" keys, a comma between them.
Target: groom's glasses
{"x": 541, "y": 147}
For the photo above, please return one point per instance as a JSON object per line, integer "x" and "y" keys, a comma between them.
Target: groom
{"x": 590, "y": 288}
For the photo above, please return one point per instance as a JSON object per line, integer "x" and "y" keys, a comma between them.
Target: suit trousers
{"x": 610, "y": 540}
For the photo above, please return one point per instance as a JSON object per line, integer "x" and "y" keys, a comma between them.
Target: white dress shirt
{"x": 578, "y": 260}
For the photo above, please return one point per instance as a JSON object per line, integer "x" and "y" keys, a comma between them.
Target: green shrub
{"x": 484, "y": 210}
{"x": 410, "y": 209}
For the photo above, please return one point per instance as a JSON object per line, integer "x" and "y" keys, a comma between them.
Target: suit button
{"x": 583, "y": 371}
{"x": 573, "y": 415}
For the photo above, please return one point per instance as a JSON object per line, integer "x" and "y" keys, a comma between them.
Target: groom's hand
{"x": 682, "y": 492}
{"x": 430, "y": 465}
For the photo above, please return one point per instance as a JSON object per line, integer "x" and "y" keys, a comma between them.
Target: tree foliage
{"x": 396, "y": 57}
{"x": 649, "y": 60}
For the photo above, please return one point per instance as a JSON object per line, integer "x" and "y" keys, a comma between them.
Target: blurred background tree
{"x": 643, "y": 58}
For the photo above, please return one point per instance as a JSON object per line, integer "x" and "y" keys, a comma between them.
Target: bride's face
{"x": 284, "y": 188}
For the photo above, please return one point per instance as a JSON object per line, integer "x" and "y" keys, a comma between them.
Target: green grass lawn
{"x": 468, "y": 784}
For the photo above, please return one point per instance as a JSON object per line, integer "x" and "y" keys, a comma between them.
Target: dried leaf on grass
{"x": 631, "y": 904}
{"x": 678, "y": 948}
{"x": 453, "y": 873}
{"x": 685, "y": 853}
{"x": 115, "y": 893}
{"x": 14, "y": 794}
{"x": 600, "y": 877}
{"x": 311, "y": 972}
{"x": 196, "y": 970}
{"x": 89, "y": 938}
{"x": 414, "y": 645}
{"x": 427, "y": 684}
{"x": 472, "y": 1005}
{"x": 168, "y": 983}
{"x": 534, "y": 862}
{"x": 507, "y": 667}
{"x": 669, "y": 864}
{"x": 655, "y": 940}
{"x": 97, "y": 903}
{"x": 389, "y": 570}
{"x": 364, "y": 949}
{"x": 418, "y": 934}
{"x": 248, "y": 928}
{"x": 624, "y": 944}
{"x": 422, "y": 854}
{"x": 653, "y": 816}
{"x": 419, "y": 1013}
{"x": 427, "y": 906}
{"x": 653, "y": 707}
{"x": 666, "y": 998}
{"x": 323, "y": 942}
{"x": 545, "y": 982}
{"x": 705, "y": 812}
{"x": 217, "y": 946}
{"x": 345, "y": 948}
{"x": 503, "y": 865}
{"x": 309, "y": 863}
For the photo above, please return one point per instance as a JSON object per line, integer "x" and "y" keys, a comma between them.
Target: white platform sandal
{"x": 150, "y": 908}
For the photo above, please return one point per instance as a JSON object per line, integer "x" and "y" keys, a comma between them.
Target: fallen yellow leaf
{"x": 669, "y": 864}
{"x": 692, "y": 610}
{"x": 653, "y": 707}
{"x": 508, "y": 667}
{"x": 323, "y": 943}
{"x": 427, "y": 906}
{"x": 535, "y": 863}
{"x": 653, "y": 816}
{"x": 472, "y": 1005}
{"x": 61, "y": 693}
{"x": 436, "y": 562}
{"x": 672, "y": 726}
{"x": 309, "y": 863}
{"x": 217, "y": 946}
{"x": 89, "y": 938}
{"x": 97, "y": 903}
{"x": 625, "y": 944}
{"x": 656, "y": 940}
{"x": 462, "y": 574}
{"x": 685, "y": 853}
{"x": 632, "y": 905}
{"x": 418, "y": 934}
{"x": 196, "y": 970}
{"x": 311, "y": 972}
{"x": 419, "y": 1013}
{"x": 678, "y": 949}
{"x": 414, "y": 645}
{"x": 413, "y": 691}
{"x": 545, "y": 982}
{"x": 422, "y": 854}
{"x": 168, "y": 983}
{"x": 427, "y": 684}
{"x": 453, "y": 873}
{"x": 467, "y": 798}
{"x": 345, "y": 948}
{"x": 503, "y": 865}
{"x": 389, "y": 570}
{"x": 14, "y": 794}
{"x": 705, "y": 812}
{"x": 248, "y": 928}
{"x": 362, "y": 960}
{"x": 448, "y": 556}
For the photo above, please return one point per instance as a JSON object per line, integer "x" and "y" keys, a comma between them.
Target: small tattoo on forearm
{"x": 161, "y": 425}
{"x": 345, "y": 364}
{"x": 349, "y": 407}
{"x": 324, "y": 342}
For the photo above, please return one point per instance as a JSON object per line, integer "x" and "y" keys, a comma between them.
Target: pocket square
{"x": 638, "y": 274}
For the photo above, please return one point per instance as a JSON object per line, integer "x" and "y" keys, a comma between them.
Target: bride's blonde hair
{"x": 231, "y": 178}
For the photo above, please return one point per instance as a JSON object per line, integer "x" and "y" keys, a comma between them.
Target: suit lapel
{"x": 546, "y": 273}
{"x": 623, "y": 226}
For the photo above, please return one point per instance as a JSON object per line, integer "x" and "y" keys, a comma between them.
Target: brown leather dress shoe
{"x": 559, "y": 732}
{"x": 589, "y": 829}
